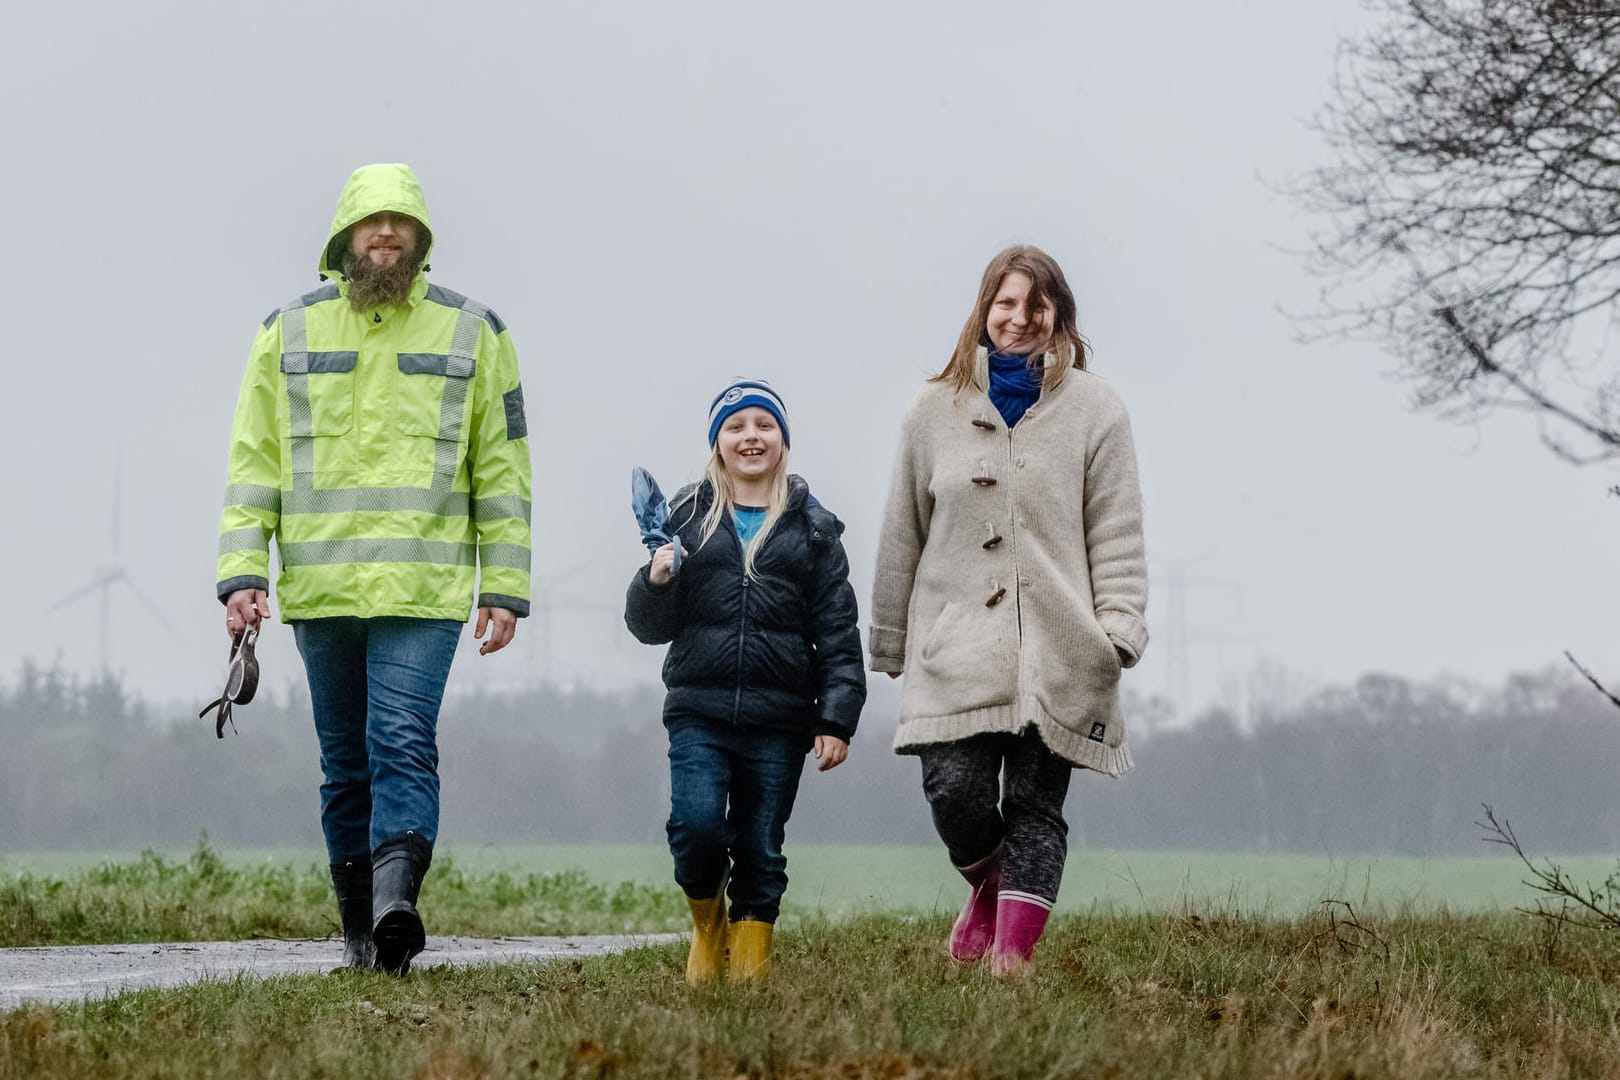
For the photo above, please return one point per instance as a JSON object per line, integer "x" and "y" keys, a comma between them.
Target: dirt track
{"x": 74, "y": 972}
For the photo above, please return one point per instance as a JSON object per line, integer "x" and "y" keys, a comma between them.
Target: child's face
{"x": 750, "y": 444}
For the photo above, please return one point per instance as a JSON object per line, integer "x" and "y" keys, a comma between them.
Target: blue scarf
{"x": 1013, "y": 386}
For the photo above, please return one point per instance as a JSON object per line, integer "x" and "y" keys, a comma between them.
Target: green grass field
{"x": 1166, "y": 966}
{"x": 1140, "y": 995}
{"x": 838, "y": 881}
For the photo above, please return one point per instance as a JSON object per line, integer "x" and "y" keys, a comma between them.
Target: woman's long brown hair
{"x": 1048, "y": 288}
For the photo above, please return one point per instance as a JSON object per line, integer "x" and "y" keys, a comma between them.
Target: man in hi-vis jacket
{"x": 380, "y": 439}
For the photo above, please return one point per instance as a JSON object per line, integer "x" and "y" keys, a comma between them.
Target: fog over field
{"x": 1385, "y": 765}
{"x": 657, "y": 198}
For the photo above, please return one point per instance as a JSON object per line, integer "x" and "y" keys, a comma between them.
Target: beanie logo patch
{"x": 741, "y": 395}
{"x": 1097, "y": 732}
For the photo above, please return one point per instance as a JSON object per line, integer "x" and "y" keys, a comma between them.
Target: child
{"x": 764, "y": 664}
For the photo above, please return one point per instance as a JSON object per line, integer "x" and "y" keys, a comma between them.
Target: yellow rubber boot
{"x": 707, "y": 959}
{"x": 750, "y": 950}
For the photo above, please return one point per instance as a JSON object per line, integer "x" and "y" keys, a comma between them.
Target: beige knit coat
{"x": 1011, "y": 577}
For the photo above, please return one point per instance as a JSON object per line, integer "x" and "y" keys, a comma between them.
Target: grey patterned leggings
{"x": 997, "y": 788}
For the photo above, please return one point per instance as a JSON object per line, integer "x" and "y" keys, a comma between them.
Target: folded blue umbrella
{"x": 652, "y": 513}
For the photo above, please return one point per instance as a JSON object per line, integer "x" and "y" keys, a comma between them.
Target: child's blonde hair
{"x": 725, "y": 501}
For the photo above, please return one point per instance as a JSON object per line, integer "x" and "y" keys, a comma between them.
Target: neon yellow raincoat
{"x": 386, "y": 451}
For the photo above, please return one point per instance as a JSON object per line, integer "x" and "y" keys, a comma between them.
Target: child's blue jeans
{"x": 376, "y": 685}
{"x": 731, "y": 789}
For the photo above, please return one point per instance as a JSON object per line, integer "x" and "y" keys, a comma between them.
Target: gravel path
{"x": 76, "y": 972}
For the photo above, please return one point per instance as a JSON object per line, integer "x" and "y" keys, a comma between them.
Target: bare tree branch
{"x": 1600, "y": 903}
{"x": 1347, "y": 931}
{"x": 1482, "y": 140}
{"x": 1591, "y": 678}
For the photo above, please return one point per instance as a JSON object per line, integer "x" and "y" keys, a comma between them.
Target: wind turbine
{"x": 111, "y": 574}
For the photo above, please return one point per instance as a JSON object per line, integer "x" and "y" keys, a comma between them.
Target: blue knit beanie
{"x": 746, "y": 394}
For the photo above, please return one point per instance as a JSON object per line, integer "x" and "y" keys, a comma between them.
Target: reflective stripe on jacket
{"x": 385, "y": 451}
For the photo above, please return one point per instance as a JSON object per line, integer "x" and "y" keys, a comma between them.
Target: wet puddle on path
{"x": 75, "y": 972}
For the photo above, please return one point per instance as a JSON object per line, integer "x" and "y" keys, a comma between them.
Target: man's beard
{"x": 372, "y": 286}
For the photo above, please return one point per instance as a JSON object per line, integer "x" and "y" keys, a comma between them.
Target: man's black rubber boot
{"x": 351, "y": 880}
{"x": 397, "y": 869}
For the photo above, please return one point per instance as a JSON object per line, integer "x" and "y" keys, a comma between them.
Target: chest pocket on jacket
{"x": 430, "y": 394}
{"x": 320, "y": 392}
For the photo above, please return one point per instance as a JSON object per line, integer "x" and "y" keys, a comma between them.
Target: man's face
{"x": 384, "y": 238}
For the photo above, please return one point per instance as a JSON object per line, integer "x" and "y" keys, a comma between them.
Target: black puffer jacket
{"x": 780, "y": 651}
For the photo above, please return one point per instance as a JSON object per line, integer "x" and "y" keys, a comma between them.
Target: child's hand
{"x": 830, "y": 751}
{"x": 663, "y": 565}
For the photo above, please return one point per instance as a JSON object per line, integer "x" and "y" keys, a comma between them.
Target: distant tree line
{"x": 1386, "y": 764}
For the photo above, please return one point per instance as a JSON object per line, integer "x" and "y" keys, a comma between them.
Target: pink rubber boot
{"x": 975, "y": 927}
{"x": 1020, "y": 920}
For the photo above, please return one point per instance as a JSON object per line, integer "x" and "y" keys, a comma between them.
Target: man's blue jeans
{"x": 376, "y": 686}
{"x": 757, "y": 770}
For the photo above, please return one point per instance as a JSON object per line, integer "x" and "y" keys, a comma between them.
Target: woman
{"x": 1010, "y": 590}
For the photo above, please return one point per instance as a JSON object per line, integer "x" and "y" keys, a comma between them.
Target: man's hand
{"x": 505, "y": 626}
{"x": 243, "y": 610}
{"x": 663, "y": 565}
{"x": 830, "y": 751}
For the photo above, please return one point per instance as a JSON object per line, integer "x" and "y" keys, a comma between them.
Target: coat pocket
{"x": 430, "y": 394}
{"x": 1087, "y": 669}
{"x": 969, "y": 659}
{"x": 320, "y": 392}
{"x": 940, "y": 634}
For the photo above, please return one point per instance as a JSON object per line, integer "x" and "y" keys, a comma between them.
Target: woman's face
{"x": 1012, "y": 326}
{"x": 750, "y": 443}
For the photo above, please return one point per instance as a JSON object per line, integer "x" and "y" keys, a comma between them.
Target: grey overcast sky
{"x": 657, "y": 197}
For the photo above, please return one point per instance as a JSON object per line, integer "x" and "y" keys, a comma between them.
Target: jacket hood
{"x": 372, "y": 189}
